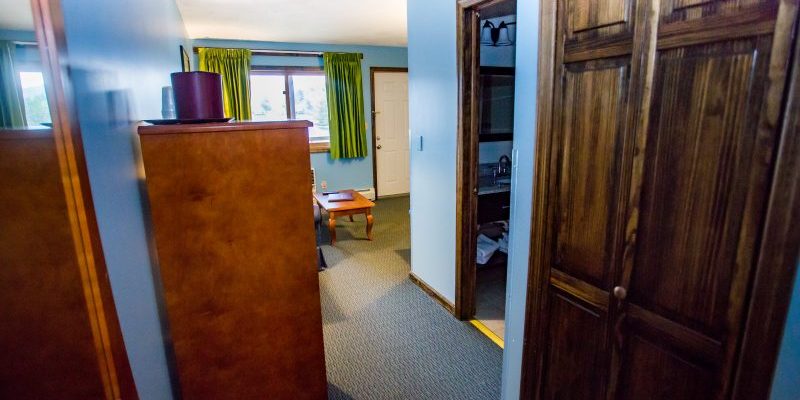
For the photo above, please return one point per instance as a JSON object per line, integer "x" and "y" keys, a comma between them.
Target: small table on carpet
{"x": 359, "y": 205}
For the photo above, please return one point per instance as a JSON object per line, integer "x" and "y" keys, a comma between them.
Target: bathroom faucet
{"x": 504, "y": 165}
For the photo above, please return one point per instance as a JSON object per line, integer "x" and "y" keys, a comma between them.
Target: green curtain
{"x": 345, "y": 105}
{"x": 234, "y": 66}
{"x": 12, "y": 110}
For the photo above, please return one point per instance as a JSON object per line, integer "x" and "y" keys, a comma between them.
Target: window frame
{"x": 29, "y": 68}
{"x": 319, "y": 146}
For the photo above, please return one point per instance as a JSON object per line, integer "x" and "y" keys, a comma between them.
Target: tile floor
{"x": 490, "y": 304}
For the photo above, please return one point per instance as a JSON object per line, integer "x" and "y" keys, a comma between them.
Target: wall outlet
{"x": 324, "y": 185}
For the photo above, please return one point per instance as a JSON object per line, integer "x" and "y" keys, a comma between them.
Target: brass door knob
{"x": 620, "y": 293}
{"x": 379, "y": 147}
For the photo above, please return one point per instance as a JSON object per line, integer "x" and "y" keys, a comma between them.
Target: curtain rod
{"x": 289, "y": 53}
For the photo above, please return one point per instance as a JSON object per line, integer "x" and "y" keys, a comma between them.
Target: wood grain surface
{"x": 234, "y": 229}
{"x": 662, "y": 127}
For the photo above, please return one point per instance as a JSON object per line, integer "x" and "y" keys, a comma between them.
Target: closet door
{"x": 664, "y": 127}
{"x": 717, "y": 85}
{"x": 591, "y": 99}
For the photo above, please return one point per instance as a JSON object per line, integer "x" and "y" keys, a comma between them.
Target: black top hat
{"x": 198, "y": 95}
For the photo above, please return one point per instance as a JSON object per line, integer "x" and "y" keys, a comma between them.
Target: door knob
{"x": 620, "y": 293}
{"x": 379, "y": 147}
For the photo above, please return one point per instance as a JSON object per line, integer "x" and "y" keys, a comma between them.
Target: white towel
{"x": 486, "y": 248}
{"x": 503, "y": 243}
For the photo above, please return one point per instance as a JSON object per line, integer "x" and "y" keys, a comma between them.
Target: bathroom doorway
{"x": 486, "y": 131}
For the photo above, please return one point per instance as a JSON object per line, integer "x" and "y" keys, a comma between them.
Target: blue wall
{"x": 340, "y": 174}
{"x": 527, "y": 57}
{"x": 23, "y": 36}
{"x": 490, "y": 152}
{"x": 786, "y": 384}
{"x": 500, "y": 56}
{"x": 27, "y": 58}
{"x": 433, "y": 97}
{"x": 433, "y": 108}
{"x": 120, "y": 55}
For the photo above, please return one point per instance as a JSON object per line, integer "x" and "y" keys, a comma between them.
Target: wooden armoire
{"x": 662, "y": 247}
{"x": 233, "y": 222}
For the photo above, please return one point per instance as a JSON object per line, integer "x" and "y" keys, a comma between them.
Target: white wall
{"x": 433, "y": 113}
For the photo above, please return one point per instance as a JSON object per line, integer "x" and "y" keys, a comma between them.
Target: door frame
{"x": 467, "y": 144}
{"x": 372, "y": 71}
{"x": 779, "y": 248}
{"x": 112, "y": 357}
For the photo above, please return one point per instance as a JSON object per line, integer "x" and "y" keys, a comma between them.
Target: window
{"x": 34, "y": 99}
{"x": 287, "y": 93}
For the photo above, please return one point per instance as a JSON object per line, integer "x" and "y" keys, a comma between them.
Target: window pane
{"x": 33, "y": 96}
{"x": 267, "y": 98}
{"x": 311, "y": 103}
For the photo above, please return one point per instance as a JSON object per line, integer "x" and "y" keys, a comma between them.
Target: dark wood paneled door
{"x": 662, "y": 125}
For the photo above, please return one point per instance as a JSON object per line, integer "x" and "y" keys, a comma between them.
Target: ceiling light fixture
{"x": 492, "y": 35}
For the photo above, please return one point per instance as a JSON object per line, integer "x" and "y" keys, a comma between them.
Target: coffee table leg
{"x": 369, "y": 224}
{"x": 351, "y": 217}
{"x": 332, "y": 227}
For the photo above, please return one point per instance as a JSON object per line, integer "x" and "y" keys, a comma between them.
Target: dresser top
{"x": 221, "y": 127}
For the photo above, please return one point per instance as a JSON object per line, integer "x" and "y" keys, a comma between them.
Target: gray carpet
{"x": 384, "y": 337}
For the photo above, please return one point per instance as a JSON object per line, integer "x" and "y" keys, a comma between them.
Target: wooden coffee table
{"x": 359, "y": 205}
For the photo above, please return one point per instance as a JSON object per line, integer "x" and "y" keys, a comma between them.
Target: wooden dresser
{"x": 59, "y": 334}
{"x": 233, "y": 225}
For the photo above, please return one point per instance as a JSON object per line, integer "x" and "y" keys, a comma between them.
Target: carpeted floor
{"x": 384, "y": 337}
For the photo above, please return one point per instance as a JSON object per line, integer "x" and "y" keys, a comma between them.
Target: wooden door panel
{"x": 687, "y": 10}
{"x": 677, "y": 4}
{"x": 590, "y": 130}
{"x": 653, "y": 371}
{"x": 576, "y": 350}
{"x": 592, "y": 14}
{"x": 659, "y": 133}
{"x": 701, "y": 140}
{"x": 587, "y": 23}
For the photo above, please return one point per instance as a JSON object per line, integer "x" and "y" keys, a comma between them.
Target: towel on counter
{"x": 503, "y": 243}
{"x": 486, "y": 248}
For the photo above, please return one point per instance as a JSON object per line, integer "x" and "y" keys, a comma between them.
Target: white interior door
{"x": 391, "y": 132}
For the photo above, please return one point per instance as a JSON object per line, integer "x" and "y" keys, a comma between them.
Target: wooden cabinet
{"x": 59, "y": 334}
{"x": 233, "y": 223}
{"x": 494, "y": 207}
{"x": 662, "y": 125}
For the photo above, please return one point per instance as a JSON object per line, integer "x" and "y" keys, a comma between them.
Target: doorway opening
{"x": 486, "y": 131}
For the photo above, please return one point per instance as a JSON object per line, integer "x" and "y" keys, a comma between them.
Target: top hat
{"x": 198, "y": 95}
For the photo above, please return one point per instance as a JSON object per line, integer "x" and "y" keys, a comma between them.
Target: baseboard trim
{"x": 393, "y": 196}
{"x": 488, "y": 333}
{"x": 450, "y": 307}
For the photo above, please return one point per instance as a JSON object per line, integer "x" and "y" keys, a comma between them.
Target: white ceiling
{"x": 371, "y": 22}
{"x": 16, "y": 15}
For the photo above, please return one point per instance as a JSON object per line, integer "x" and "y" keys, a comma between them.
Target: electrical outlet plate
{"x": 324, "y": 185}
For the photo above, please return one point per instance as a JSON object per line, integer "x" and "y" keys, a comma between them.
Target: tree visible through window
{"x": 291, "y": 94}
{"x": 34, "y": 99}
